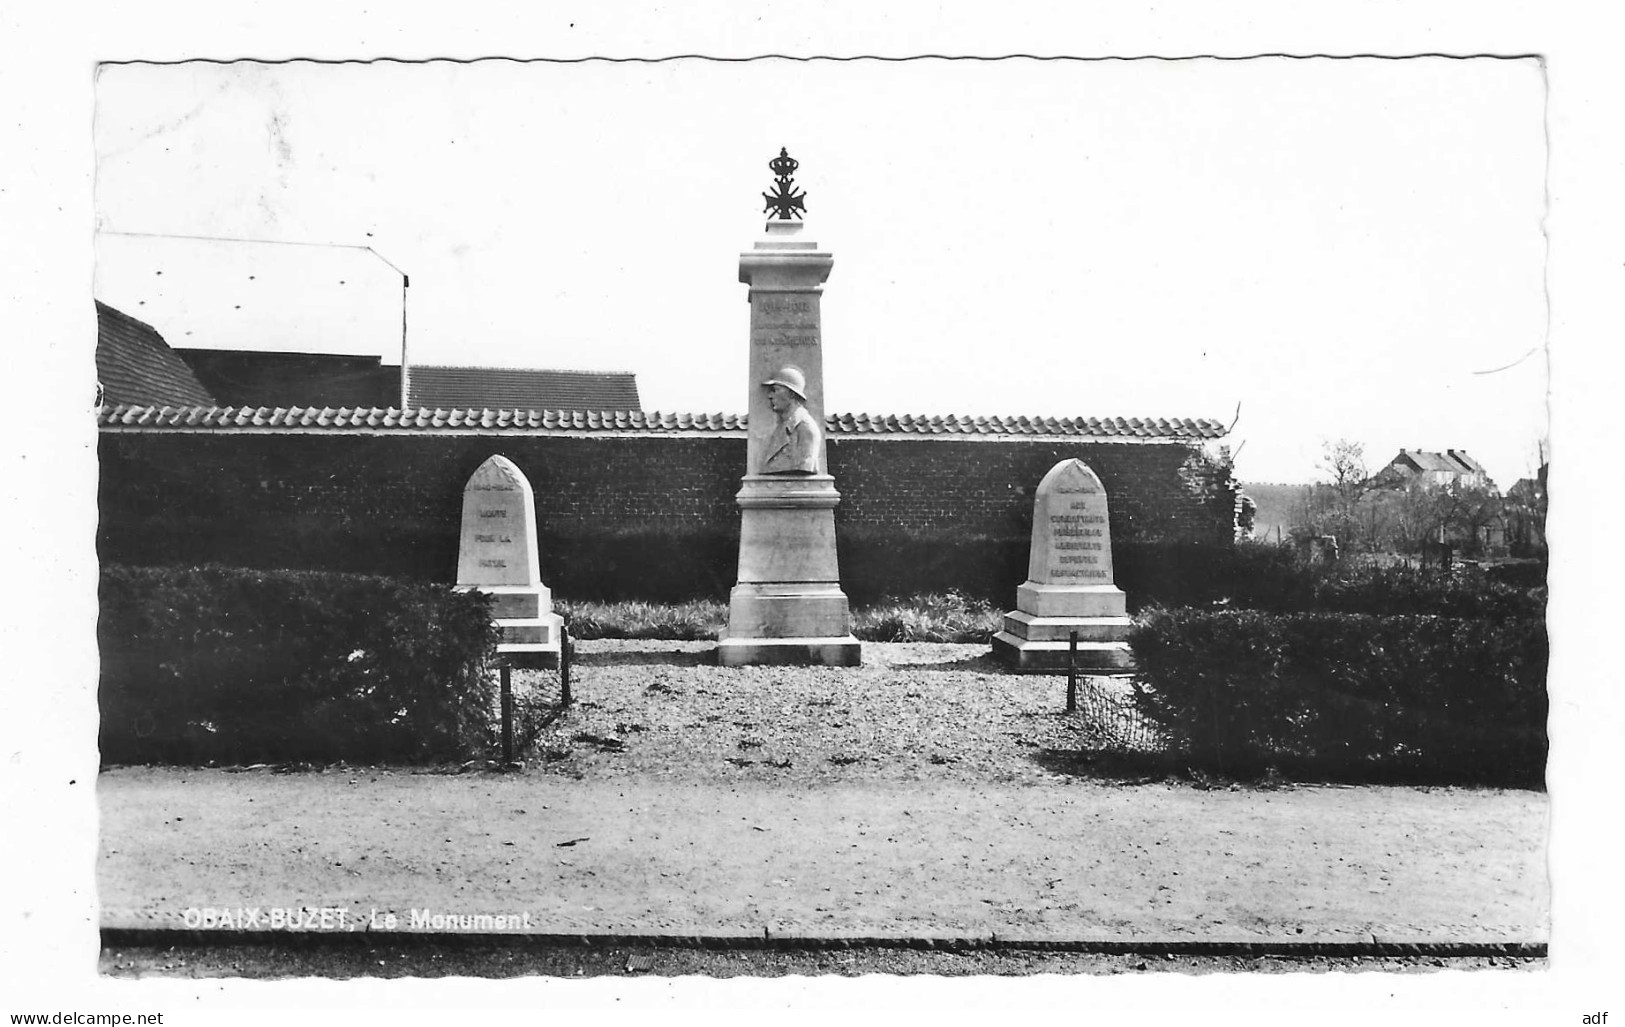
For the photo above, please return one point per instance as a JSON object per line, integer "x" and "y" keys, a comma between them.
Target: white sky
{"x": 1343, "y": 248}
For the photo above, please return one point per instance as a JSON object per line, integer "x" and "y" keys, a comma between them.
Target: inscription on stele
{"x": 498, "y": 541}
{"x": 1071, "y": 532}
{"x": 783, "y": 337}
{"x": 783, "y": 310}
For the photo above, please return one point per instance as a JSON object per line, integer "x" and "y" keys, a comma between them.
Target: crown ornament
{"x": 785, "y": 199}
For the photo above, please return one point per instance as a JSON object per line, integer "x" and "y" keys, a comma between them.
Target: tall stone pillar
{"x": 788, "y": 607}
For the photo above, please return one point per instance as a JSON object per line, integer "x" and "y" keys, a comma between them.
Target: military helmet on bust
{"x": 791, "y": 378}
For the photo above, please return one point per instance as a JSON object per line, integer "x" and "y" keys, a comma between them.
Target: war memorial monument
{"x": 788, "y": 606}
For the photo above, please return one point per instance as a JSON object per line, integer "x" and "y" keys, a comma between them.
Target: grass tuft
{"x": 932, "y": 617}
{"x": 695, "y": 620}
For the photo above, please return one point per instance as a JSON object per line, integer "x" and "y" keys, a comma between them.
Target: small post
{"x": 566, "y": 652}
{"x": 1072, "y": 673}
{"x": 507, "y": 713}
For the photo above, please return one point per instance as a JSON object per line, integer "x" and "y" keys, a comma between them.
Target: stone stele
{"x": 1069, "y": 584}
{"x": 498, "y": 555}
{"x": 788, "y": 607}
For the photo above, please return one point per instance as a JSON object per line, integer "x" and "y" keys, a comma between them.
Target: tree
{"x": 1526, "y": 511}
{"x": 1389, "y": 512}
{"x": 1474, "y": 513}
{"x": 1463, "y": 515}
{"x": 1347, "y": 482}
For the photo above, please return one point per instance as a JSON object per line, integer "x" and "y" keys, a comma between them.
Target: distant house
{"x": 508, "y": 388}
{"x": 1529, "y": 490}
{"x": 1453, "y": 466}
{"x": 1526, "y": 515}
{"x": 137, "y": 367}
{"x": 243, "y": 378}
{"x": 249, "y": 378}
{"x": 134, "y": 365}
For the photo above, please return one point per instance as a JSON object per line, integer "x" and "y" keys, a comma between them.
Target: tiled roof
{"x": 135, "y": 365}
{"x": 638, "y": 421}
{"x": 1451, "y": 461}
{"x": 418, "y": 419}
{"x": 256, "y": 378}
{"x": 1460, "y": 456}
{"x": 1525, "y": 488}
{"x": 1426, "y": 460}
{"x": 506, "y": 388}
{"x": 1115, "y": 427}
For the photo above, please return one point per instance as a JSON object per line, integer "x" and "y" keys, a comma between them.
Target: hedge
{"x": 655, "y": 562}
{"x": 877, "y": 565}
{"x": 1518, "y": 574}
{"x": 1347, "y": 696}
{"x": 668, "y": 563}
{"x": 1262, "y": 576}
{"x": 226, "y": 665}
{"x": 1408, "y": 590}
{"x": 1173, "y": 573}
{"x": 1157, "y": 573}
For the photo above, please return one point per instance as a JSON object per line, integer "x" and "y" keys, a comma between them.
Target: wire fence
{"x": 532, "y": 695}
{"x": 1113, "y": 723}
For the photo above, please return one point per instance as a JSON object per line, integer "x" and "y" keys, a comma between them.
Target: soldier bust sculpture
{"x": 793, "y": 446}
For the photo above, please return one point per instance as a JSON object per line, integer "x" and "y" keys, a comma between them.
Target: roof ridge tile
{"x": 419, "y": 417}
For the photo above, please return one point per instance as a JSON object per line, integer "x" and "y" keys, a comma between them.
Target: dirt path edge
{"x": 115, "y": 937}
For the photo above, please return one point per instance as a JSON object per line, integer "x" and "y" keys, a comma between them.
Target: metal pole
{"x": 566, "y": 648}
{"x": 1072, "y": 673}
{"x": 406, "y": 370}
{"x": 507, "y": 713}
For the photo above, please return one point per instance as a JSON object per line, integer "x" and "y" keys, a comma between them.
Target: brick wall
{"x": 650, "y": 516}
{"x": 930, "y": 487}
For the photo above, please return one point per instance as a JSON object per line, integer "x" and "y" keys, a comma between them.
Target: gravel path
{"x": 923, "y": 712}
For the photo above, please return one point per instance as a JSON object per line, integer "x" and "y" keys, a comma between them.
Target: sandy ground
{"x": 935, "y": 832}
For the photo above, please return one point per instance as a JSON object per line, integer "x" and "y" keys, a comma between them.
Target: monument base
{"x": 789, "y": 623}
{"x": 1031, "y": 656}
{"x": 842, "y": 651}
{"x": 545, "y": 630}
{"x": 532, "y": 634}
{"x": 1086, "y": 601}
{"x": 534, "y": 655}
{"x": 1037, "y": 635}
{"x": 1024, "y": 625}
{"x": 788, "y": 607}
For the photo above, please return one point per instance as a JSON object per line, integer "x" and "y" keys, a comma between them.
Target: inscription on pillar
{"x": 784, "y": 311}
{"x": 782, "y": 337}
